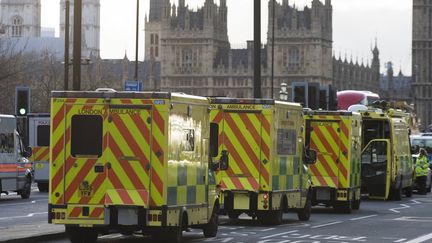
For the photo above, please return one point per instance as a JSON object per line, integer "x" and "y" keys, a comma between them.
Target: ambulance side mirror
{"x": 214, "y": 139}
{"x": 310, "y": 156}
{"x": 28, "y": 152}
{"x": 224, "y": 160}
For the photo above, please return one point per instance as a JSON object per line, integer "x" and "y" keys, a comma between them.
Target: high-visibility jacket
{"x": 422, "y": 165}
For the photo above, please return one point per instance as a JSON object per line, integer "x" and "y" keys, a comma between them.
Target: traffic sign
{"x": 133, "y": 85}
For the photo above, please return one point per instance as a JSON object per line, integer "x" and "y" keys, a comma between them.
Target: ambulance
{"x": 266, "y": 170}
{"x": 38, "y": 139}
{"x": 336, "y": 136}
{"x": 387, "y": 167}
{"x": 131, "y": 162}
{"x": 15, "y": 169}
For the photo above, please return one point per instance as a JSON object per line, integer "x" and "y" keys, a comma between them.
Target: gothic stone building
{"x": 195, "y": 56}
{"x": 422, "y": 60}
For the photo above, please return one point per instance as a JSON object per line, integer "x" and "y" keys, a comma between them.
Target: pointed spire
{"x": 125, "y": 56}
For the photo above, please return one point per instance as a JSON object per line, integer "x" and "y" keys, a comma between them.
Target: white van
{"x": 15, "y": 169}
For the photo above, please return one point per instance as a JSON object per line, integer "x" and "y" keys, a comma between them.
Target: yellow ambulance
{"x": 131, "y": 162}
{"x": 265, "y": 170}
{"x": 336, "y": 136}
{"x": 387, "y": 167}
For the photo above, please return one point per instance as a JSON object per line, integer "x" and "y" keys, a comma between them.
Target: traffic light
{"x": 313, "y": 92}
{"x": 22, "y": 101}
{"x": 299, "y": 93}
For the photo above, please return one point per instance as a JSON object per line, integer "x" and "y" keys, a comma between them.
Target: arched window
{"x": 293, "y": 58}
{"x": 151, "y": 39}
{"x": 156, "y": 39}
{"x": 17, "y": 26}
{"x": 156, "y": 51}
{"x": 187, "y": 58}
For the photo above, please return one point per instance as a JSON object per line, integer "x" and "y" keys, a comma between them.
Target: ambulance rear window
{"x": 86, "y": 136}
{"x": 43, "y": 136}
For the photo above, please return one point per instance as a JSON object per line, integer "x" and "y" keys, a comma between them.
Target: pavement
{"x": 32, "y": 233}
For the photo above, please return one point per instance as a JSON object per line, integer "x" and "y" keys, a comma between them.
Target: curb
{"x": 40, "y": 238}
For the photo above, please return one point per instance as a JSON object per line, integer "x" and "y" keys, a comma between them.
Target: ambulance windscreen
{"x": 86, "y": 136}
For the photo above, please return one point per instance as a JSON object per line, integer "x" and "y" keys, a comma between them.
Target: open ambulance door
{"x": 376, "y": 168}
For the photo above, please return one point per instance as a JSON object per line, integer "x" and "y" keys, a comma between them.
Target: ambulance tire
{"x": 81, "y": 235}
{"x": 356, "y": 204}
{"x": 42, "y": 186}
{"x": 409, "y": 191}
{"x": 25, "y": 193}
{"x": 397, "y": 193}
{"x": 234, "y": 215}
{"x": 343, "y": 207}
{"x": 304, "y": 213}
{"x": 211, "y": 228}
{"x": 174, "y": 234}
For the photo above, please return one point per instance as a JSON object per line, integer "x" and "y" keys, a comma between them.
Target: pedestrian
{"x": 422, "y": 166}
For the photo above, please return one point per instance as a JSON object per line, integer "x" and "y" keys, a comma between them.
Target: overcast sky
{"x": 356, "y": 25}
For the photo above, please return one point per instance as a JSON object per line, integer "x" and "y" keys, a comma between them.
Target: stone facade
{"x": 90, "y": 26}
{"x": 20, "y": 18}
{"x": 422, "y": 60}
{"x": 396, "y": 88}
{"x": 195, "y": 55}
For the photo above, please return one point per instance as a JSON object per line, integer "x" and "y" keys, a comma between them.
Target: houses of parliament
{"x": 195, "y": 56}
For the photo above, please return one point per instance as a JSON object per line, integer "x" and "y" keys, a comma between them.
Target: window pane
{"x": 43, "y": 135}
{"x": 6, "y": 143}
{"x": 86, "y": 135}
{"x": 286, "y": 142}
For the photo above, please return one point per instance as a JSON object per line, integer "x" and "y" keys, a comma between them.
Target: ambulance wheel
{"x": 25, "y": 193}
{"x": 409, "y": 191}
{"x": 211, "y": 228}
{"x": 304, "y": 213}
{"x": 397, "y": 196}
{"x": 233, "y": 215}
{"x": 42, "y": 186}
{"x": 343, "y": 207}
{"x": 356, "y": 204}
{"x": 81, "y": 235}
{"x": 174, "y": 234}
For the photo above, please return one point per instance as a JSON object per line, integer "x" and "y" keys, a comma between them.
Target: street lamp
{"x": 283, "y": 93}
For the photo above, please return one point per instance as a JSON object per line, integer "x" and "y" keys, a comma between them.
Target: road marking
{"x": 324, "y": 225}
{"x": 26, "y": 216}
{"x": 264, "y": 230}
{"x": 414, "y": 219}
{"x": 365, "y": 217}
{"x": 396, "y": 210}
{"x": 112, "y": 236}
{"x": 13, "y": 204}
{"x": 274, "y": 235}
{"x": 421, "y": 239}
{"x": 415, "y": 202}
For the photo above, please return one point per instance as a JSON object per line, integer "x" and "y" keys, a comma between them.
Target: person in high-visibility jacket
{"x": 422, "y": 165}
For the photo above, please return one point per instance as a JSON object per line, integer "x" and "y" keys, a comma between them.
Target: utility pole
{"x": 66, "y": 51}
{"x": 273, "y": 48}
{"x": 136, "y": 41}
{"x": 257, "y": 48}
{"x": 77, "y": 45}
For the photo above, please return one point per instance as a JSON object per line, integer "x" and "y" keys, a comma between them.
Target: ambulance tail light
{"x": 265, "y": 200}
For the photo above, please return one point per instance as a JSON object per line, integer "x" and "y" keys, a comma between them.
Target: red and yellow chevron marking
{"x": 39, "y": 154}
{"x": 129, "y": 143}
{"x": 330, "y": 137}
{"x": 95, "y": 212}
{"x": 127, "y": 197}
{"x": 246, "y": 136}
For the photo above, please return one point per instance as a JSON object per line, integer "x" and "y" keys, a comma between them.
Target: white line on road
{"x": 324, "y": 225}
{"x": 415, "y": 202}
{"x": 365, "y": 217}
{"x": 13, "y": 204}
{"x": 396, "y": 210}
{"x": 264, "y": 230}
{"x": 26, "y": 216}
{"x": 274, "y": 235}
{"x": 421, "y": 239}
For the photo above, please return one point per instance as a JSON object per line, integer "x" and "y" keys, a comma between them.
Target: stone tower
{"x": 21, "y": 18}
{"x": 422, "y": 60}
{"x": 303, "y": 42}
{"x": 90, "y": 26}
{"x": 153, "y": 30}
{"x": 191, "y": 42}
{"x": 375, "y": 68}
